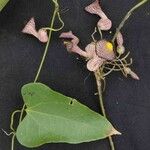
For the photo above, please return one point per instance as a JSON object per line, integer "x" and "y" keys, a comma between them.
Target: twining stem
{"x": 99, "y": 88}
{"x": 12, "y": 142}
{"x": 46, "y": 48}
{"x": 43, "y": 58}
{"x": 21, "y": 114}
{"x": 51, "y": 29}
{"x": 12, "y": 119}
{"x": 129, "y": 13}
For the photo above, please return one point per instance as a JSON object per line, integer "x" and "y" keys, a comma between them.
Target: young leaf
{"x": 3, "y": 3}
{"x": 52, "y": 118}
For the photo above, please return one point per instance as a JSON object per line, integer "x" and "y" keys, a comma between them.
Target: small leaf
{"x": 52, "y": 118}
{"x": 3, "y": 3}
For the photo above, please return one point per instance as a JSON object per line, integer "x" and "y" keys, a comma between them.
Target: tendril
{"x": 56, "y": 30}
{"x": 93, "y": 38}
{"x": 12, "y": 120}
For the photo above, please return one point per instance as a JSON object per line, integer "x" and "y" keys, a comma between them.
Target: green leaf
{"x": 52, "y": 118}
{"x": 3, "y": 3}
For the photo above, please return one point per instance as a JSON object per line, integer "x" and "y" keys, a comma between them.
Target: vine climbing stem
{"x": 99, "y": 88}
{"x": 129, "y": 13}
{"x": 97, "y": 73}
{"x": 51, "y": 29}
{"x": 46, "y": 48}
{"x": 13, "y": 141}
{"x": 44, "y": 55}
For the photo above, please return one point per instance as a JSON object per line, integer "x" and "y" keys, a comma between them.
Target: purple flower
{"x": 96, "y": 53}
{"x": 30, "y": 28}
{"x": 104, "y": 23}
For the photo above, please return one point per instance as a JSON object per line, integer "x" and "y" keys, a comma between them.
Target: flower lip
{"x": 30, "y": 28}
{"x": 104, "y": 49}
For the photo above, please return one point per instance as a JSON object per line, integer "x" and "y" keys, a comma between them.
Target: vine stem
{"x": 12, "y": 142}
{"x": 99, "y": 88}
{"x": 129, "y": 13}
{"x": 43, "y": 58}
{"x": 56, "y": 12}
{"x": 46, "y": 48}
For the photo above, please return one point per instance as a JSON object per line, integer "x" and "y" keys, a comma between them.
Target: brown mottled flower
{"x": 96, "y": 53}
{"x": 104, "y": 23}
{"x": 30, "y": 28}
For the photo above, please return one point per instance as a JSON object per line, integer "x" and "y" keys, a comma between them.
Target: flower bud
{"x": 119, "y": 39}
{"x": 130, "y": 72}
{"x": 120, "y": 49}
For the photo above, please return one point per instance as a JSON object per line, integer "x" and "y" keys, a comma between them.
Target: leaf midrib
{"x": 56, "y": 116}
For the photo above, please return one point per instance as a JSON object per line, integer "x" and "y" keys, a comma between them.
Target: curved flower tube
{"x": 104, "y": 23}
{"x": 96, "y": 53}
{"x": 30, "y": 28}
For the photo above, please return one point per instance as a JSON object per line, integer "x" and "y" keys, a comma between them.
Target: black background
{"x": 127, "y": 101}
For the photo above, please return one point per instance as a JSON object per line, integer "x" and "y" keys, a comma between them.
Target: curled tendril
{"x": 58, "y": 29}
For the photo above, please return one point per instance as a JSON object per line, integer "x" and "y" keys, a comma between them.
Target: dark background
{"x": 127, "y": 101}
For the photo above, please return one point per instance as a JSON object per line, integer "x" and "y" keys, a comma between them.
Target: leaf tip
{"x": 114, "y": 132}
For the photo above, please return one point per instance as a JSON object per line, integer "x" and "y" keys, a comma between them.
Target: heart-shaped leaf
{"x": 52, "y": 118}
{"x": 3, "y": 3}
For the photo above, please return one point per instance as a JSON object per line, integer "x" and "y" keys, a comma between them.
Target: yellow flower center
{"x": 109, "y": 47}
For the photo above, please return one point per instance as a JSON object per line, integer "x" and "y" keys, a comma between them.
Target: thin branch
{"x": 56, "y": 13}
{"x": 127, "y": 17}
